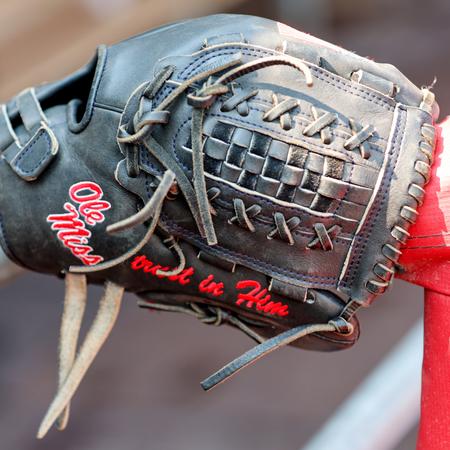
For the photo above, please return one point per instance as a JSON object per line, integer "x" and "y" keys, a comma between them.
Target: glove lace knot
{"x": 280, "y": 111}
{"x": 324, "y": 237}
{"x": 320, "y": 124}
{"x": 238, "y": 100}
{"x": 359, "y": 138}
{"x": 284, "y": 228}
{"x": 243, "y": 215}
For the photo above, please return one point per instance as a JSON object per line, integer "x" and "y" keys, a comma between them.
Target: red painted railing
{"x": 426, "y": 258}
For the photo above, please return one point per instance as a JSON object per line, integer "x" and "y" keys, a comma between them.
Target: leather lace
{"x": 195, "y": 192}
{"x": 210, "y": 315}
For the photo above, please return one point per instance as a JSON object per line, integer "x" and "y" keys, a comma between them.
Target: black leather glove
{"x": 228, "y": 167}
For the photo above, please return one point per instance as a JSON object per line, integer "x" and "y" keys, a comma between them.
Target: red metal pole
{"x": 426, "y": 259}
{"x": 434, "y": 432}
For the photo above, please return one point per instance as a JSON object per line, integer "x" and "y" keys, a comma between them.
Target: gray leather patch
{"x": 32, "y": 159}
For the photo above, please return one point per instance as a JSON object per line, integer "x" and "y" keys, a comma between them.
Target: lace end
{"x": 100, "y": 329}
{"x": 74, "y": 307}
{"x": 263, "y": 349}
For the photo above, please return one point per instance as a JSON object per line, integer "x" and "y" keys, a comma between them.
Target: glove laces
{"x": 74, "y": 366}
{"x": 195, "y": 191}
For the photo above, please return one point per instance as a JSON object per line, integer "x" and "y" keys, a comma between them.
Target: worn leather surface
{"x": 65, "y": 132}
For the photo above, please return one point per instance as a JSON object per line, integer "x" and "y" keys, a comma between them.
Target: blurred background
{"x": 143, "y": 391}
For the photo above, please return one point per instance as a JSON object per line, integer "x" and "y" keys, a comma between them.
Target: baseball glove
{"x": 228, "y": 167}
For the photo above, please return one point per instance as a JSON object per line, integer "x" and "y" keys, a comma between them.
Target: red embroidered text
{"x": 71, "y": 226}
{"x": 259, "y": 298}
{"x": 252, "y": 294}
{"x": 147, "y": 266}
{"x": 209, "y": 286}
